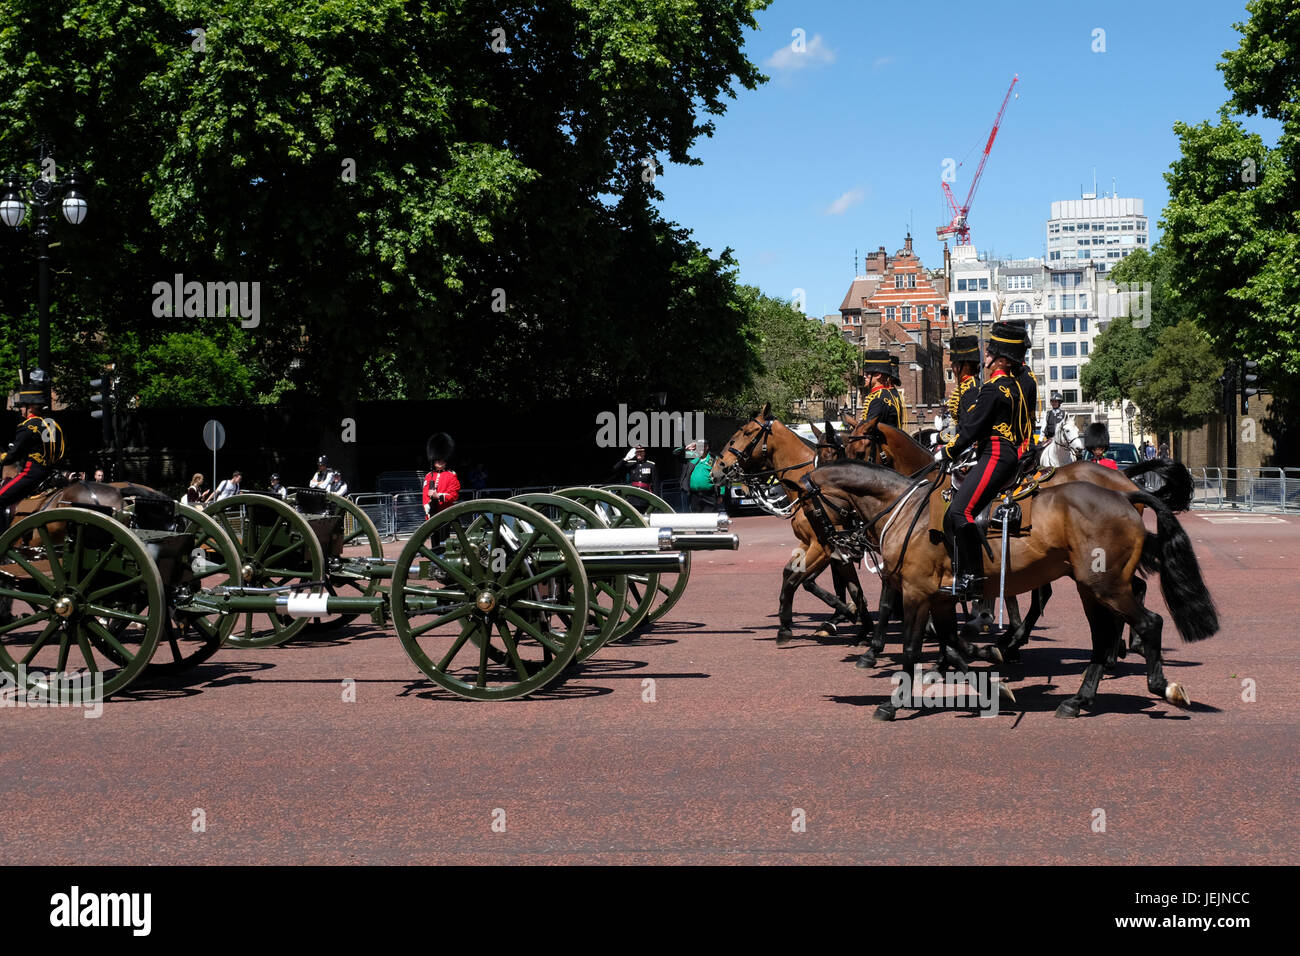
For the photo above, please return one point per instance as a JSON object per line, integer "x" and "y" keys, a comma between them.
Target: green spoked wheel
{"x": 190, "y": 637}
{"x": 73, "y": 584}
{"x": 360, "y": 540}
{"x": 671, "y": 584}
{"x": 277, "y": 547}
{"x": 489, "y": 600}
{"x": 642, "y": 589}
{"x": 606, "y": 593}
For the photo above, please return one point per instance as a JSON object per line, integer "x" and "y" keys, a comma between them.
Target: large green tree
{"x": 1115, "y": 365}
{"x": 438, "y": 198}
{"x": 1178, "y": 386}
{"x": 1232, "y": 225}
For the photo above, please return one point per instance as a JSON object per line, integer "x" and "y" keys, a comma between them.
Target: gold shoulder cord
{"x": 1025, "y": 425}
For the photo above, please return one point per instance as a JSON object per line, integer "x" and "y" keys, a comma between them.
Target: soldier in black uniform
{"x": 1028, "y": 387}
{"x": 1055, "y": 415}
{"x": 639, "y": 471}
{"x": 881, "y": 401}
{"x": 36, "y": 442}
{"x": 997, "y": 423}
{"x": 964, "y": 353}
{"x": 895, "y": 390}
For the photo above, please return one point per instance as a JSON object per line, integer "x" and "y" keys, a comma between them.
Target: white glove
{"x": 938, "y": 453}
{"x": 426, "y": 511}
{"x": 631, "y": 453}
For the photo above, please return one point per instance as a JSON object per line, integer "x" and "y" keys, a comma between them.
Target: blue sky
{"x": 844, "y": 146}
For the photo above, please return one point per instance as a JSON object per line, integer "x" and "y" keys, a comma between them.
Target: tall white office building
{"x": 1096, "y": 232}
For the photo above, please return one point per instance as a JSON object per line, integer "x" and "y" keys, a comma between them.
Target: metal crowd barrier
{"x": 379, "y": 508}
{"x": 1247, "y": 489}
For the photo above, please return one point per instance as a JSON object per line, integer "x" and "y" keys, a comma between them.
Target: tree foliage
{"x": 1115, "y": 364}
{"x": 799, "y": 358}
{"x": 455, "y": 195}
{"x": 1179, "y": 384}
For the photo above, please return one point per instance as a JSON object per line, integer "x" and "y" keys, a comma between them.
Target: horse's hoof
{"x": 1005, "y": 691}
{"x": 883, "y": 712}
{"x": 1068, "y": 709}
{"x": 994, "y": 654}
{"x": 866, "y": 661}
{"x": 1010, "y": 655}
{"x": 1176, "y": 694}
{"x": 826, "y": 630}
{"x": 784, "y": 637}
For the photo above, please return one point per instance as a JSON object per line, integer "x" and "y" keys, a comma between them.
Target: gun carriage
{"x": 491, "y": 599}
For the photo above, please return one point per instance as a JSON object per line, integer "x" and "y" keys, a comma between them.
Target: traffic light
{"x": 103, "y": 398}
{"x": 1248, "y": 387}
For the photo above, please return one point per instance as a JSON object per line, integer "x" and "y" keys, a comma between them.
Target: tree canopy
{"x": 437, "y": 198}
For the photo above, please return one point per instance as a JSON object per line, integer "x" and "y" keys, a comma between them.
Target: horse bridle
{"x": 736, "y": 472}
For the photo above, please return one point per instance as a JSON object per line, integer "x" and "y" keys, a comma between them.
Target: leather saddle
{"x": 1012, "y": 505}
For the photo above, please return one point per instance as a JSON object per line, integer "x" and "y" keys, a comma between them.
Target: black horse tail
{"x": 1170, "y": 481}
{"x": 1169, "y": 551}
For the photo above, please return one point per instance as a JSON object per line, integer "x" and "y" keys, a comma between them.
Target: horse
{"x": 1073, "y": 522}
{"x": 1065, "y": 447}
{"x": 58, "y": 492}
{"x": 763, "y": 447}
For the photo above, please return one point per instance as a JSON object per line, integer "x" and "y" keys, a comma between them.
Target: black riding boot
{"x": 969, "y": 571}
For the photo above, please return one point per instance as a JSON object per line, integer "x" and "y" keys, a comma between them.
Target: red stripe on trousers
{"x": 984, "y": 480}
{"x": 22, "y": 474}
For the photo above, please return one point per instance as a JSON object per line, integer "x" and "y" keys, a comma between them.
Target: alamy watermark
{"x": 626, "y": 429}
{"x": 42, "y": 689}
{"x": 931, "y": 689}
{"x": 211, "y": 300}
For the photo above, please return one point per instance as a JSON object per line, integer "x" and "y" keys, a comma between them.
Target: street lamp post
{"x": 44, "y": 194}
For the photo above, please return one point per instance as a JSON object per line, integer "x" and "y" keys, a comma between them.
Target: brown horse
{"x": 95, "y": 494}
{"x": 765, "y": 448}
{"x": 1093, "y": 535}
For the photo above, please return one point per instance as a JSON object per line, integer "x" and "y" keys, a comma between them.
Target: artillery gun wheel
{"x": 619, "y": 513}
{"x": 606, "y": 593}
{"x": 276, "y": 547}
{"x": 489, "y": 598}
{"x": 672, "y": 584}
{"x": 64, "y": 574}
{"x": 361, "y": 539}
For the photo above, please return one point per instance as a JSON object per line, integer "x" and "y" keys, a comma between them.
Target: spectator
{"x": 99, "y": 476}
{"x": 278, "y": 489}
{"x": 195, "y": 495}
{"x": 638, "y": 471}
{"x": 704, "y": 496}
{"x": 322, "y": 477}
{"x": 1164, "y": 449}
{"x": 230, "y": 487}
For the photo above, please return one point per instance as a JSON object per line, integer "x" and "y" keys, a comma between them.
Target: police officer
{"x": 997, "y": 423}
{"x": 639, "y": 471}
{"x": 37, "y": 446}
{"x": 964, "y": 353}
{"x": 881, "y": 400}
{"x": 1053, "y": 418}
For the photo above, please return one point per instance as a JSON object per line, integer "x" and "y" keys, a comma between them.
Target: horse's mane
{"x": 849, "y": 473}
{"x": 887, "y": 429}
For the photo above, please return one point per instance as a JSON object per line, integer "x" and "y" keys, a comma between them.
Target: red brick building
{"x": 897, "y": 306}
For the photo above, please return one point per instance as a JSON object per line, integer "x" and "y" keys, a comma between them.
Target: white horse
{"x": 1066, "y": 445}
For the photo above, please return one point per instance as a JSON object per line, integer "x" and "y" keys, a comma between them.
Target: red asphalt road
{"x": 741, "y": 737}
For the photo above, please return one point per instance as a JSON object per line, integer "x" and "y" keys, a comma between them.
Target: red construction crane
{"x": 959, "y": 225}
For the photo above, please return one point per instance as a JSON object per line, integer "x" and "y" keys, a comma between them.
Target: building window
{"x": 1053, "y": 256}
{"x": 1083, "y": 301}
{"x": 1070, "y": 395}
{"x": 960, "y": 308}
{"x": 1019, "y": 307}
{"x": 1067, "y": 325}
{"x": 961, "y": 285}
{"x": 1051, "y": 326}
{"x": 1083, "y": 348}
{"x": 1067, "y": 350}
{"x": 1142, "y": 240}
{"x": 1070, "y": 373}
{"x": 1098, "y": 227}
{"x": 1053, "y": 370}
{"x": 1083, "y": 323}
{"x": 1051, "y": 349}
{"x": 984, "y": 285}
{"x": 907, "y": 313}
{"x": 911, "y": 280}
{"x": 889, "y": 313}
{"x": 986, "y": 306}
{"x": 1085, "y": 242}
{"x": 1067, "y": 302}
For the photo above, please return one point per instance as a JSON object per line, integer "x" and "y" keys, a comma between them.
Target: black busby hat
{"x": 876, "y": 360}
{"x": 1008, "y": 341}
{"x": 893, "y": 370}
{"x": 33, "y": 397}
{"x": 964, "y": 348}
{"x": 440, "y": 447}
{"x": 1096, "y": 435}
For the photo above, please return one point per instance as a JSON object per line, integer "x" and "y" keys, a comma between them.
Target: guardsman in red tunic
{"x": 1096, "y": 438}
{"x": 995, "y": 424}
{"x": 441, "y": 486}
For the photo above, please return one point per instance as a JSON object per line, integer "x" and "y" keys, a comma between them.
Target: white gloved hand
{"x": 938, "y": 453}
{"x": 631, "y": 453}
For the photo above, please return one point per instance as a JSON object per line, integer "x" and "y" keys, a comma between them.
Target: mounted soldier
{"x": 997, "y": 424}
{"x": 883, "y": 405}
{"x": 1028, "y": 386}
{"x": 895, "y": 390}
{"x": 964, "y": 354}
{"x": 1052, "y": 420}
{"x": 37, "y": 447}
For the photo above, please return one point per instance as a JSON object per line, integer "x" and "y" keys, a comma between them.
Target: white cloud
{"x": 840, "y": 206}
{"x": 882, "y": 61}
{"x": 815, "y": 53}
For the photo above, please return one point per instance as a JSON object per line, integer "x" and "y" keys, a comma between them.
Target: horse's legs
{"x": 1147, "y": 625}
{"x": 1104, "y": 626}
{"x": 915, "y": 613}
{"x": 1140, "y": 593}
{"x": 789, "y": 581}
{"x": 890, "y": 601}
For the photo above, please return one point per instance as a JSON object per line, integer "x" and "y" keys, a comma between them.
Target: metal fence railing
{"x": 379, "y": 508}
{"x": 1248, "y": 489}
